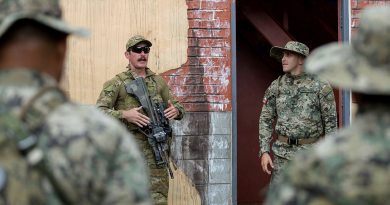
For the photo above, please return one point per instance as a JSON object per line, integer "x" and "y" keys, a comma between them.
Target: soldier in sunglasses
{"x": 115, "y": 101}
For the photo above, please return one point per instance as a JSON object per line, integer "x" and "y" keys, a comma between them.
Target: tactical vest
{"x": 22, "y": 171}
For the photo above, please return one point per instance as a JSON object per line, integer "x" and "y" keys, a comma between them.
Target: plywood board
{"x": 94, "y": 60}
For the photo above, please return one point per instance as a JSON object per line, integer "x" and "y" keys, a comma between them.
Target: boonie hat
{"x": 47, "y": 12}
{"x": 363, "y": 65}
{"x": 134, "y": 40}
{"x": 292, "y": 46}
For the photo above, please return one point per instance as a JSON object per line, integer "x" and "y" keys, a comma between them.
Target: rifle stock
{"x": 159, "y": 129}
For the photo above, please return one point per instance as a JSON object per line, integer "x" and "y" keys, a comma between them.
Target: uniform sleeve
{"x": 108, "y": 97}
{"x": 328, "y": 108}
{"x": 267, "y": 117}
{"x": 166, "y": 95}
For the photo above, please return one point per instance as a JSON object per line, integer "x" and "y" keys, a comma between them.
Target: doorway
{"x": 259, "y": 26}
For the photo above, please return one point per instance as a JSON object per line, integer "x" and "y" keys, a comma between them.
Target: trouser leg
{"x": 159, "y": 181}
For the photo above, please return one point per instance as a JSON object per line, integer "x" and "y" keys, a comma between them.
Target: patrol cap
{"x": 292, "y": 46}
{"x": 362, "y": 66}
{"x": 47, "y": 12}
{"x": 134, "y": 40}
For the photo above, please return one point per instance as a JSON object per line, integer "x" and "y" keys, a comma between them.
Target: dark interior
{"x": 261, "y": 25}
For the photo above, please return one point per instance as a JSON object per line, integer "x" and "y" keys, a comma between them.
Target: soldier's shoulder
{"x": 85, "y": 122}
{"x": 275, "y": 83}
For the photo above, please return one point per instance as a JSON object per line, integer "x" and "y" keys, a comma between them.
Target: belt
{"x": 297, "y": 141}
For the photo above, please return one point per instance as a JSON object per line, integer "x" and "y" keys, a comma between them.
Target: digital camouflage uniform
{"x": 92, "y": 158}
{"x": 351, "y": 166}
{"x": 81, "y": 156}
{"x": 114, "y": 98}
{"x": 303, "y": 107}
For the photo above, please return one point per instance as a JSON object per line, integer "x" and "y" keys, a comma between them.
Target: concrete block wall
{"x": 202, "y": 146}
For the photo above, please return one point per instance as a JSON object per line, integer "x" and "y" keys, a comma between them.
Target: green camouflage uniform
{"x": 81, "y": 156}
{"x": 304, "y": 108}
{"x": 91, "y": 158}
{"x": 352, "y": 166}
{"x": 114, "y": 98}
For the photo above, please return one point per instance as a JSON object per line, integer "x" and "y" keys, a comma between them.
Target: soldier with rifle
{"x": 142, "y": 100}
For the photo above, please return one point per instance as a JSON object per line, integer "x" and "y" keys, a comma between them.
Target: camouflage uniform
{"x": 114, "y": 98}
{"x": 352, "y": 166}
{"x": 92, "y": 158}
{"x": 81, "y": 156}
{"x": 304, "y": 108}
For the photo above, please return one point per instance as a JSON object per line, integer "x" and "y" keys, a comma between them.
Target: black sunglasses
{"x": 145, "y": 49}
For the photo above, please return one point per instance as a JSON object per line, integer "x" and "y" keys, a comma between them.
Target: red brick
{"x": 194, "y": 23}
{"x": 355, "y": 23}
{"x": 201, "y": 14}
{"x": 215, "y": 5}
{"x": 214, "y": 80}
{"x": 223, "y": 15}
{"x": 189, "y": 80}
{"x": 361, "y": 3}
{"x": 200, "y": 33}
{"x": 193, "y": 98}
{"x": 212, "y": 61}
{"x": 221, "y": 33}
{"x": 208, "y": 42}
{"x": 355, "y": 13}
{"x": 193, "y": 41}
{"x": 196, "y": 107}
{"x": 214, "y": 24}
{"x": 193, "y": 61}
{"x": 193, "y": 5}
{"x": 217, "y": 98}
{"x": 212, "y": 52}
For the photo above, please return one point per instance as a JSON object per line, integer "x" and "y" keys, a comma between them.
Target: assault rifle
{"x": 158, "y": 130}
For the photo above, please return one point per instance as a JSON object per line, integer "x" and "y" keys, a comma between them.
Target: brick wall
{"x": 357, "y": 6}
{"x": 202, "y": 146}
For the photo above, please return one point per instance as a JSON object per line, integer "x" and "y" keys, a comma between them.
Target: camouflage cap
{"x": 47, "y": 12}
{"x": 292, "y": 46}
{"x": 134, "y": 40}
{"x": 363, "y": 65}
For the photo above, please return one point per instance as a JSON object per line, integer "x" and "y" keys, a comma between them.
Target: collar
{"x": 25, "y": 77}
{"x": 296, "y": 77}
{"x": 147, "y": 70}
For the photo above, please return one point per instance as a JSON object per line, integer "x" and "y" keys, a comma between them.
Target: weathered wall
{"x": 94, "y": 60}
{"x": 203, "y": 84}
{"x": 191, "y": 49}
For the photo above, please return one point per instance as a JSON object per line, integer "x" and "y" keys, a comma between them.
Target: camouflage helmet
{"x": 136, "y": 39}
{"x": 47, "y": 12}
{"x": 292, "y": 46}
{"x": 362, "y": 66}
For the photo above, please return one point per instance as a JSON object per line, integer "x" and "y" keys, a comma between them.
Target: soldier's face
{"x": 292, "y": 63}
{"x": 138, "y": 60}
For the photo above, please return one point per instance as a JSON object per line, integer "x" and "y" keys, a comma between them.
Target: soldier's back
{"x": 351, "y": 167}
{"x": 87, "y": 157}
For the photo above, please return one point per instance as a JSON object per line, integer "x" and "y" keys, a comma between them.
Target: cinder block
{"x": 220, "y": 171}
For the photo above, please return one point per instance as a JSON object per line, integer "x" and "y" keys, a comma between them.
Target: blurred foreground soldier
{"x": 116, "y": 100}
{"x": 353, "y": 166}
{"x": 53, "y": 151}
{"x": 302, "y": 105}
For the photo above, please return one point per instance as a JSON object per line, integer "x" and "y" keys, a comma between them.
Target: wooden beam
{"x": 264, "y": 24}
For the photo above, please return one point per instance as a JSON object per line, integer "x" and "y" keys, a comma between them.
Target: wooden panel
{"x": 98, "y": 58}
{"x": 182, "y": 190}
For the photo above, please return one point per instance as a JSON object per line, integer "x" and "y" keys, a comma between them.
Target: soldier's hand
{"x": 134, "y": 116}
{"x": 265, "y": 161}
{"x": 171, "y": 112}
